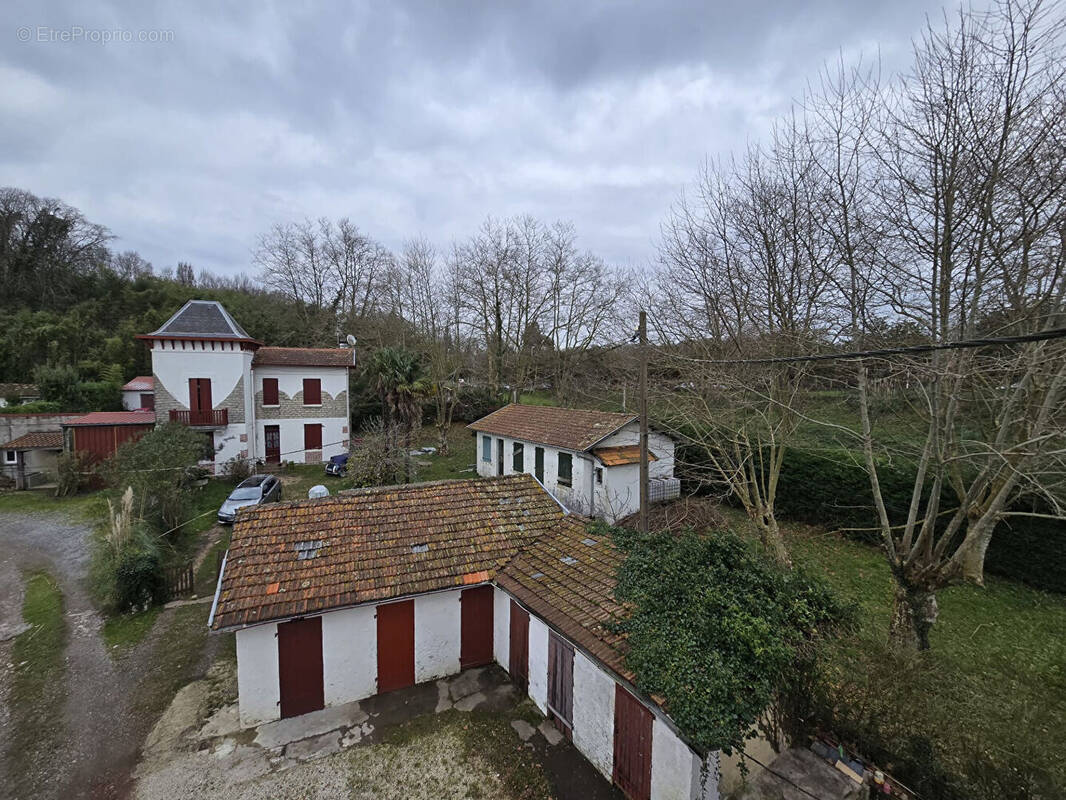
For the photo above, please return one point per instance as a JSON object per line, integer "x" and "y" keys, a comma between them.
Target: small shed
{"x": 30, "y": 460}
{"x": 101, "y": 433}
{"x": 139, "y": 394}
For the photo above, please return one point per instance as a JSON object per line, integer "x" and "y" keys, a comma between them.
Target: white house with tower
{"x": 250, "y": 401}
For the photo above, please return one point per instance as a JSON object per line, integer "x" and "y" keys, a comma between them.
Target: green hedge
{"x": 832, "y": 489}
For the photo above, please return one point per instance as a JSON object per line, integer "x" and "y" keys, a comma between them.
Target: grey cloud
{"x": 414, "y": 118}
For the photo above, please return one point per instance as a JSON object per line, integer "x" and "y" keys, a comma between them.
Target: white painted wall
{"x": 594, "y": 713}
{"x": 173, "y": 366}
{"x": 131, "y": 401}
{"x": 349, "y": 654}
{"x": 659, "y": 443}
{"x": 438, "y": 631}
{"x": 334, "y": 436}
{"x": 291, "y": 379}
{"x": 538, "y": 663}
{"x": 258, "y": 687}
{"x": 675, "y": 769}
{"x": 501, "y": 624}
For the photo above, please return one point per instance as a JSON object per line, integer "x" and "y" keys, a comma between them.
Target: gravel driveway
{"x": 101, "y": 737}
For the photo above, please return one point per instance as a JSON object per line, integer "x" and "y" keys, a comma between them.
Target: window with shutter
{"x": 518, "y": 459}
{"x": 312, "y": 392}
{"x": 312, "y": 437}
{"x": 566, "y": 469}
{"x": 270, "y": 391}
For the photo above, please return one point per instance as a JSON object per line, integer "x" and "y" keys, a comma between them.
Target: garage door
{"x": 396, "y": 645}
{"x": 300, "y": 666}
{"x": 475, "y": 647}
{"x": 632, "y": 745}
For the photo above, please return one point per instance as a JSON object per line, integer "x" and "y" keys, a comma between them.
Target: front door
{"x": 518, "y": 661}
{"x": 499, "y": 456}
{"x": 632, "y": 745}
{"x": 272, "y": 443}
{"x": 538, "y": 463}
{"x": 475, "y": 640}
{"x": 396, "y": 645}
{"x": 300, "y": 666}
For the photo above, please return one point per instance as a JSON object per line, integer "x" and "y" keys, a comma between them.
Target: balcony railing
{"x": 211, "y": 418}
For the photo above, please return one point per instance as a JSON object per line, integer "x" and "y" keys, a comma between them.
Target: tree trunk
{"x": 770, "y": 533}
{"x": 914, "y": 613}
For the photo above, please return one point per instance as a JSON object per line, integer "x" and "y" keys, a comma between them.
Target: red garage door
{"x": 475, "y": 646}
{"x": 632, "y": 745}
{"x": 396, "y": 645}
{"x": 300, "y": 666}
{"x": 518, "y": 662}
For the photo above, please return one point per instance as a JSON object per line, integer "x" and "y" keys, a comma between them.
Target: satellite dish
{"x": 350, "y": 340}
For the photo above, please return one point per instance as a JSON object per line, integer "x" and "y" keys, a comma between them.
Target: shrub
{"x": 58, "y": 384}
{"x": 36, "y": 407}
{"x": 126, "y": 568}
{"x": 73, "y": 472}
{"x": 379, "y": 459}
{"x": 98, "y": 396}
{"x": 716, "y": 628}
{"x": 236, "y": 470}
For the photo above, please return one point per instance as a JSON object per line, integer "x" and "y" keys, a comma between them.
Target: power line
{"x": 963, "y": 344}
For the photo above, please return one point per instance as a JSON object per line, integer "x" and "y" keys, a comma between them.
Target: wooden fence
{"x": 179, "y": 581}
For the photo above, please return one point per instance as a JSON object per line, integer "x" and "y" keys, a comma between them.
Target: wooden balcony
{"x": 212, "y": 418}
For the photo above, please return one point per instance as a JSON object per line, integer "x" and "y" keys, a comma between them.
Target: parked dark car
{"x": 252, "y": 491}
{"x": 337, "y": 465}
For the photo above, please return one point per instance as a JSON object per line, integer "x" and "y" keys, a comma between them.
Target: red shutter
{"x": 312, "y": 437}
{"x": 270, "y": 391}
{"x": 312, "y": 392}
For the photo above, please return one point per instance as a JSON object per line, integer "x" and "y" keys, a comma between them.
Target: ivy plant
{"x": 716, "y": 628}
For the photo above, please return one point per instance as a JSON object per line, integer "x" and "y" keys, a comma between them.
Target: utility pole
{"x": 642, "y": 335}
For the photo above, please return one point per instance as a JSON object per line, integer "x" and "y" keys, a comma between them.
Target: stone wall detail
{"x": 293, "y": 407}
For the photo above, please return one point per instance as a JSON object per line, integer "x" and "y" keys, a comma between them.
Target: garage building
{"x": 338, "y": 599}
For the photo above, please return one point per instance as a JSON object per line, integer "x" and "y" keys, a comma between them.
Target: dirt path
{"x": 103, "y": 730}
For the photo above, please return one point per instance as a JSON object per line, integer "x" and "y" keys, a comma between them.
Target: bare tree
{"x": 971, "y": 189}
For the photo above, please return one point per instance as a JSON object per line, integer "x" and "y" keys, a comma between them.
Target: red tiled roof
{"x": 576, "y": 595}
{"x": 38, "y": 440}
{"x": 303, "y": 357}
{"x": 569, "y": 428}
{"x": 376, "y": 544}
{"x": 142, "y": 383}
{"x": 114, "y": 418}
{"x": 621, "y": 455}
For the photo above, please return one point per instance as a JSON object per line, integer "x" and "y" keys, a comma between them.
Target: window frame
{"x": 308, "y": 426}
{"x": 569, "y": 479}
{"x": 518, "y": 457}
{"x": 486, "y": 449}
{"x": 277, "y": 393}
{"x": 8, "y": 453}
{"x": 599, "y": 476}
{"x": 317, "y": 383}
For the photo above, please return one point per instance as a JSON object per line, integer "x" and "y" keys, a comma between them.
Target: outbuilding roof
{"x": 18, "y": 390}
{"x": 114, "y": 418}
{"x": 142, "y": 383}
{"x": 303, "y": 357}
{"x": 200, "y": 319}
{"x": 568, "y": 577}
{"x": 307, "y": 556}
{"x": 568, "y": 428}
{"x": 621, "y": 455}
{"x": 37, "y": 440}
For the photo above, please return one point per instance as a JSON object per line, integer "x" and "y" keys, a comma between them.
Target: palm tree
{"x": 397, "y": 376}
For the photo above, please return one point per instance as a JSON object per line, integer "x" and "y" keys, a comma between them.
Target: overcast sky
{"x": 408, "y": 118}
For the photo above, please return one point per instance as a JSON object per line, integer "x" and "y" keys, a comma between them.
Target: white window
{"x": 11, "y": 456}
{"x": 486, "y": 448}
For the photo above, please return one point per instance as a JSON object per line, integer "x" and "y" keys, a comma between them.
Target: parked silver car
{"x": 252, "y": 491}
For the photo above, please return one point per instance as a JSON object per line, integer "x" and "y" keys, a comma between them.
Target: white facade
{"x": 237, "y": 386}
{"x": 132, "y": 400}
{"x": 349, "y": 657}
{"x": 595, "y": 490}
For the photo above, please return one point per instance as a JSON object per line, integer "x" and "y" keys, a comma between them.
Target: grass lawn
{"x": 460, "y": 461}
{"x": 123, "y": 631}
{"x": 86, "y": 504}
{"x": 175, "y": 658}
{"x": 38, "y": 687}
{"x": 994, "y": 679}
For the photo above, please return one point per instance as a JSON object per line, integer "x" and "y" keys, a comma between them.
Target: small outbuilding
{"x": 101, "y": 433}
{"x": 588, "y": 459}
{"x": 139, "y": 394}
{"x": 30, "y": 460}
{"x": 373, "y": 590}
